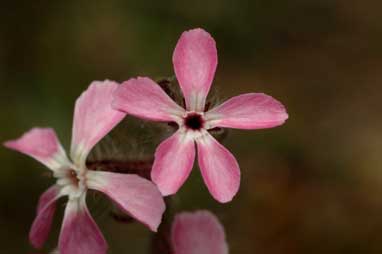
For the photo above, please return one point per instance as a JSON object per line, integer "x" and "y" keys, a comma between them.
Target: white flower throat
{"x": 72, "y": 181}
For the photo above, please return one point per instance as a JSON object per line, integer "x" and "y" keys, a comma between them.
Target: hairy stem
{"x": 141, "y": 168}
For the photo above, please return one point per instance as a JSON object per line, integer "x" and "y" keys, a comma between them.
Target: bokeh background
{"x": 313, "y": 185}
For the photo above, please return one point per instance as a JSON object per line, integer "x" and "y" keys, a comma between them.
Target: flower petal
{"x": 79, "y": 233}
{"x": 135, "y": 195}
{"x": 198, "y": 233}
{"x": 219, "y": 168}
{"x": 173, "y": 162}
{"x": 144, "y": 98}
{"x": 41, "y": 144}
{"x": 93, "y": 118}
{"x": 45, "y": 211}
{"x": 248, "y": 111}
{"x": 195, "y": 60}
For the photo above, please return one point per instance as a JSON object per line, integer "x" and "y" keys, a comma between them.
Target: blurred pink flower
{"x": 199, "y": 232}
{"x": 195, "y": 61}
{"x": 93, "y": 119}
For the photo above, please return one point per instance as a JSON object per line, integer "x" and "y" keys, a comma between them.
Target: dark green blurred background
{"x": 311, "y": 186}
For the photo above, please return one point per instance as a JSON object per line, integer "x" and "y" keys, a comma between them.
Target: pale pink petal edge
{"x": 174, "y": 159}
{"x": 195, "y": 61}
{"x": 79, "y": 232}
{"x": 144, "y": 98}
{"x": 93, "y": 118}
{"x": 135, "y": 195}
{"x": 248, "y": 111}
{"x": 41, "y": 144}
{"x": 219, "y": 168}
{"x": 46, "y": 208}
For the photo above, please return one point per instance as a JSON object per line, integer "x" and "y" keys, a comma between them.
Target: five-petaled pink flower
{"x": 93, "y": 119}
{"x": 195, "y": 61}
{"x": 199, "y": 232}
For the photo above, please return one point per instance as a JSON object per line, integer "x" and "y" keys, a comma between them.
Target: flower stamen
{"x": 72, "y": 175}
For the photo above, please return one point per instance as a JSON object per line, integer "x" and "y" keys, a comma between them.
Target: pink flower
{"x": 195, "y": 61}
{"x": 198, "y": 233}
{"x": 93, "y": 119}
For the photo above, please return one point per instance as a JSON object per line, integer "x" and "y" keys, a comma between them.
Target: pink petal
{"x": 45, "y": 211}
{"x": 248, "y": 111}
{"x": 173, "y": 162}
{"x": 195, "y": 60}
{"x": 79, "y": 233}
{"x": 219, "y": 168}
{"x": 41, "y": 144}
{"x": 135, "y": 195}
{"x": 198, "y": 233}
{"x": 144, "y": 98}
{"x": 93, "y": 118}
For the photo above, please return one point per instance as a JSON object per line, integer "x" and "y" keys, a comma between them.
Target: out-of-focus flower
{"x": 195, "y": 61}
{"x": 199, "y": 232}
{"x": 93, "y": 119}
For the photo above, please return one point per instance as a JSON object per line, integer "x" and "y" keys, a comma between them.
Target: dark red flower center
{"x": 194, "y": 121}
